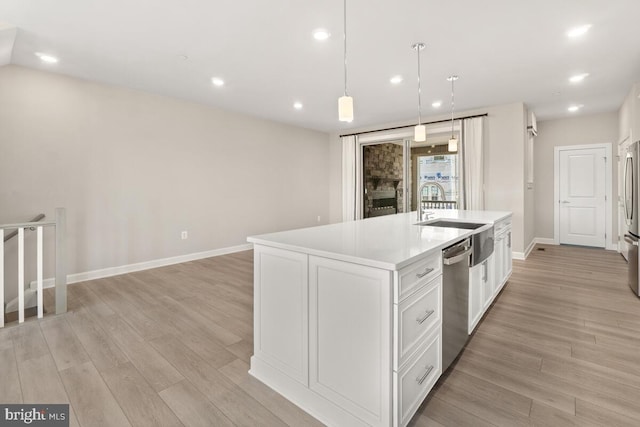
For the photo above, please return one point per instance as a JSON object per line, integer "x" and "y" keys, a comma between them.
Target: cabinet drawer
{"x": 416, "y": 275}
{"x": 415, "y": 318}
{"x": 501, "y": 225}
{"x": 413, "y": 383}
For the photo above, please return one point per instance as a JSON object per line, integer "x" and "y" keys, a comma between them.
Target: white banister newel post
{"x": 61, "y": 261}
{"x": 21, "y": 275}
{"x": 39, "y": 274}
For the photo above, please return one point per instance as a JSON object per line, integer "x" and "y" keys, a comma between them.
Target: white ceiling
{"x": 504, "y": 51}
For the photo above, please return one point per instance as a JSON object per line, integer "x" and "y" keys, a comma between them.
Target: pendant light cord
{"x": 452, "y": 104}
{"x": 453, "y": 79}
{"x": 345, "y": 48}
{"x": 419, "y": 90}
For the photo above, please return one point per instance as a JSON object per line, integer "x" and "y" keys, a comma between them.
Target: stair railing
{"x": 60, "y": 224}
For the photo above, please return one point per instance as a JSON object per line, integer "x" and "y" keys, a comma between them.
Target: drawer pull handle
{"x": 424, "y": 273}
{"x": 421, "y": 320}
{"x": 424, "y": 376}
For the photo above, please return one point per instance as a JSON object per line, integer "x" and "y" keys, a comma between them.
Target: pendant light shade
{"x": 453, "y": 142}
{"x": 345, "y": 102}
{"x": 345, "y": 108}
{"x": 420, "y": 132}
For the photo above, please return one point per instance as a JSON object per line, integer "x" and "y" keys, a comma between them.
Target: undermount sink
{"x": 452, "y": 224}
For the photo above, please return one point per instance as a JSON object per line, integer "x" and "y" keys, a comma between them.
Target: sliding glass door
{"x": 436, "y": 171}
{"x": 392, "y": 168}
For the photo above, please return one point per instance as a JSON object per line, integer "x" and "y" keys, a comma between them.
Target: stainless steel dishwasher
{"x": 456, "y": 260}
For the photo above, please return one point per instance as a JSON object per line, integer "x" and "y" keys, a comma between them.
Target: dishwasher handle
{"x": 457, "y": 258}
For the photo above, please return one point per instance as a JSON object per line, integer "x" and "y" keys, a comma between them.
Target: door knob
{"x": 565, "y": 201}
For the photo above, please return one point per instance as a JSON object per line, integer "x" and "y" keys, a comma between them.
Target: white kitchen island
{"x": 348, "y": 316}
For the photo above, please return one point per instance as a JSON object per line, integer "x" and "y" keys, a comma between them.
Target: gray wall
{"x": 592, "y": 129}
{"x": 629, "y": 115}
{"x": 135, "y": 169}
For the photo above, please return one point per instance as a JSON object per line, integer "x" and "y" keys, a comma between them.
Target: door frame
{"x": 608, "y": 210}
{"x": 393, "y": 135}
{"x": 623, "y": 145}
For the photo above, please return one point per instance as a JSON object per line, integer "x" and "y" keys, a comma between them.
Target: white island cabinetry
{"x": 348, "y": 317}
{"x": 370, "y": 356}
{"x": 503, "y": 254}
{"x": 281, "y": 314}
{"x": 482, "y": 287}
{"x": 350, "y": 337}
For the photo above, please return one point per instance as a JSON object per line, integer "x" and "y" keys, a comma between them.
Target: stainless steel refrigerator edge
{"x": 630, "y": 200}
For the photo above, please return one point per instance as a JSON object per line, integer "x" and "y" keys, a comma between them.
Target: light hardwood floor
{"x": 171, "y": 346}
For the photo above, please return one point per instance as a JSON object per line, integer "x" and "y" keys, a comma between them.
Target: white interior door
{"x": 583, "y": 197}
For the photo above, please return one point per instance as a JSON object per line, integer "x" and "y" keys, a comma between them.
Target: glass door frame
{"x": 406, "y": 136}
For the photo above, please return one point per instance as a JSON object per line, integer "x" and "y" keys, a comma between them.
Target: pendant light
{"x": 420, "y": 132}
{"x": 345, "y": 102}
{"x": 453, "y": 142}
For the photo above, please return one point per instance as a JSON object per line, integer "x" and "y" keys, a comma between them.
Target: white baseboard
{"x": 146, "y": 265}
{"x": 521, "y": 256}
{"x": 551, "y": 241}
{"x": 545, "y": 241}
{"x": 542, "y": 240}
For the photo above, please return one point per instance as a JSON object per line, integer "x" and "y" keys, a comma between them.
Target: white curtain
{"x": 349, "y": 144}
{"x": 473, "y": 163}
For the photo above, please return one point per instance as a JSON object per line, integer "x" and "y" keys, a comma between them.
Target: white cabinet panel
{"x": 413, "y": 383}
{"x": 499, "y": 254}
{"x": 350, "y": 337}
{"x": 281, "y": 314}
{"x": 503, "y": 255}
{"x": 475, "y": 296}
{"x": 509, "y": 253}
{"x": 415, "y": 318}
{"x": 488, "y": 281}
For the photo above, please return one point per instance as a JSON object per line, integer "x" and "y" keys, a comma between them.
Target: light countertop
{"x": 388, "y": 242}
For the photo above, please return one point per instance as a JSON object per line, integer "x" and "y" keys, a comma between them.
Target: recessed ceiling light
{"x": 217, "y": 81}
{"x": 575, "y": 108}
{"x": 321, "y": 34}
{"x": 297, "y": 105}
{"x": 47, "y": 58}
{"x": 578, "y": 31}
{"x": 578, "y": 77}
{"x": 396, "y": 80}
{"x": 437, "y": 104}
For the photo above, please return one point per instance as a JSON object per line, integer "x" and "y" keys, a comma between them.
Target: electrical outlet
{"x": 318, "y": 218}
{"x": 184, "y": 235}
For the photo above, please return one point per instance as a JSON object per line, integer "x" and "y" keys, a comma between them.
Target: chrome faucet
{"x": 421, "y": 212}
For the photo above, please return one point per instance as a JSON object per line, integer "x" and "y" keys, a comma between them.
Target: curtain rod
{"x": 408, "y": 126}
